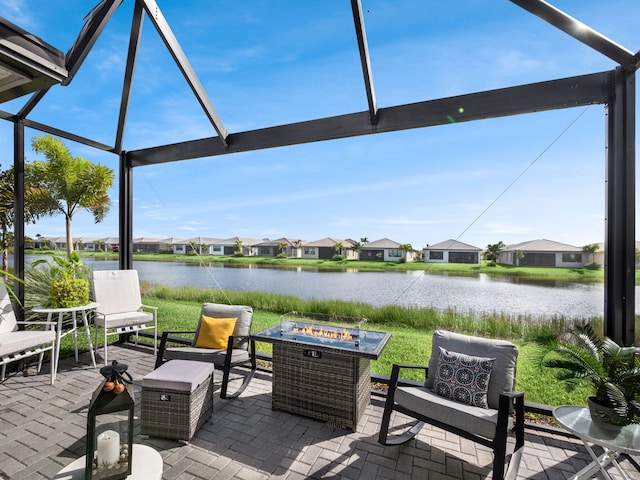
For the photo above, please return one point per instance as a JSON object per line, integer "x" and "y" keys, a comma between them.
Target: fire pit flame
{"x": 315, "y": 331}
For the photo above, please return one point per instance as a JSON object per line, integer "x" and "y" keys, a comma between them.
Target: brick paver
{"x": 43, "y": 427}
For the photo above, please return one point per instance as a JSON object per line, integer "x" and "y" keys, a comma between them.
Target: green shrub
{"x": 593, "y": 266}
{"x": 69, "y": 292}
{"x": 337, "y": 258}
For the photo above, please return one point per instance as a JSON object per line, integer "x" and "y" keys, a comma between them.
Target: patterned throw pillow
{"x": 463, "y": 378}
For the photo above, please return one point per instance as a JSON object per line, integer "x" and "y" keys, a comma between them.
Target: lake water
{"x": 479, "y": 293}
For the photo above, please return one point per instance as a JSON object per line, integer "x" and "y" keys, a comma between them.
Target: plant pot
{"x": 603, "y": 416}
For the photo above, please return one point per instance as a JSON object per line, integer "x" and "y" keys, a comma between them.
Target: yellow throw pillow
{"x": 215, "y": 332}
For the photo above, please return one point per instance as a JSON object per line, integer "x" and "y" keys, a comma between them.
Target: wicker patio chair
{"x": 16, "y": 345}
{"x": 235, "y": 348}
{"x": 494, "y": 410}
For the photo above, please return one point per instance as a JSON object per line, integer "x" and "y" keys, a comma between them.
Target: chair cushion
{"x": 18, "y": 341}
{"x": 243, "y": 313}
{"x": 238, "y": 356}
{"x": 463, "y": 378}
{"x": 7, "y": 317}
{"x": 181, "y": 375}
{"x": 424, "y": 401}
{"x": 117, "y": 291}
{"x": 125, "y": 319}
{"x": 214, "y": 332}
{"x": 503, "y": 378}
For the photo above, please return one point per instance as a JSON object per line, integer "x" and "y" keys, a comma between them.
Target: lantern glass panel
{"x": 111, "y": 447}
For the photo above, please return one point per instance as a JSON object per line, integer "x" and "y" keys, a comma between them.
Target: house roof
{"x": 278, "y": 241}
{"x": 246, "y": 242}
{"x": 147, "y": 240}
{"x": 542, "y": 245}
{"x": 205, "y": 240}
{"x": 381, "y": 243}
{"x": 329, "y": 242}
{"x": 451, "y": 245}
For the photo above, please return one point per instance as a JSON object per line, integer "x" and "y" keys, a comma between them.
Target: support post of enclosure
{"x": 125, "y": 241}
{"x": 18, "y": 210}
{"x": 619, "y": 248}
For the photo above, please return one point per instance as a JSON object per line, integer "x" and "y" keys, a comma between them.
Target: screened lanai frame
{"x": 615, "y": 89}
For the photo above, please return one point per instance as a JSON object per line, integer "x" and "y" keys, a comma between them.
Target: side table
{"x": 147, "y": 465}
{"x": 60, "y": 333}
{"x": 577, "y": 420}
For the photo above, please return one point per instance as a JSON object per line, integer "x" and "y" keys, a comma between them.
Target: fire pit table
{"x": 321, "y": 366}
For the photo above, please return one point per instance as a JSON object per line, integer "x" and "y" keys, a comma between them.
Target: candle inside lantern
{"x": 108, "y": 448}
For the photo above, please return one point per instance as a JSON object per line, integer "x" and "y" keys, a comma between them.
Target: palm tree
{"x": 68, "y": 184}
{"x": 338, "y": 246}
{"x": 364, "y": 240}
{"x": 357, "y": 247}
{"x": 406, "y": 248}
{"x": 298, "y": 245}
{"x": 590, "y": 250}
{"x": 493, "y": 251}
{"x": 238, "y": 245}
{"x": 33, "y": 209}
{"x": 282, "y": 246}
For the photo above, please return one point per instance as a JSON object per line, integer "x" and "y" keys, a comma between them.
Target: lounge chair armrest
{"x": 50, "y": 325}
{"x": 150, "y": 307}
{"x": 513, "y": 394}
{"x": 395, "y": 372}
{"x": 163, "y": 343}
{"x": 240, "y": 338}
{"x": 165, "y": 337}
{"x": 512, "y": 402}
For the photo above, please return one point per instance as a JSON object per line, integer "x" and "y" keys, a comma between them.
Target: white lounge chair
{"x": 16, "y": 345}
{"x": 121, "y": 310}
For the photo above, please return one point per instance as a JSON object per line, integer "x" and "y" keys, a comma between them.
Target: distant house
{"x": 88, "y": 244}
{"x": 148, "y": 245}
{"x": 56, "y": 243}
{"x": 326, "y": 249}
{"x": 452, "y": 251}
{"x": 201, "y": 245}
{"x": 272, "y": 248}
{"x": 543, "y": 253}
{"x": 109, "y": 244}
{"x": 229, "y": 246}
{"x": 385, "y": 250}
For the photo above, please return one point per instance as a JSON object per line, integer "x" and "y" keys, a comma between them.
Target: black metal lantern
{"x": 110, "y": 426}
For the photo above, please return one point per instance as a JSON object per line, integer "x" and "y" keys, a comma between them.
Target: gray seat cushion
{"x": 480, "y": 421}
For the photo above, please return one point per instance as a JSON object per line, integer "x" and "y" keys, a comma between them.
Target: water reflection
{"x": 477, "y": 292}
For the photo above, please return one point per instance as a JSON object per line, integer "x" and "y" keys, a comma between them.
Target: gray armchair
{"x": 240, "y": 349}
{"x": 489, "y": 416}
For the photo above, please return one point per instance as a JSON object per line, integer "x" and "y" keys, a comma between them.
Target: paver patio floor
{"x": 43, "y": 427}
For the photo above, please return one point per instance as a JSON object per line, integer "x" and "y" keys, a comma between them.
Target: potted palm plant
{"x": 612, "y": 371}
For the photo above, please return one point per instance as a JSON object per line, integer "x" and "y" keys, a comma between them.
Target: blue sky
{"x": 268, "y": 63}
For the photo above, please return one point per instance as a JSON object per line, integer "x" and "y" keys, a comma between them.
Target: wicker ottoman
{"x": 177, "y": 398}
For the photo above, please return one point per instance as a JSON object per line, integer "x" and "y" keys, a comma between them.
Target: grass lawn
{"x": 407, "y": 345}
